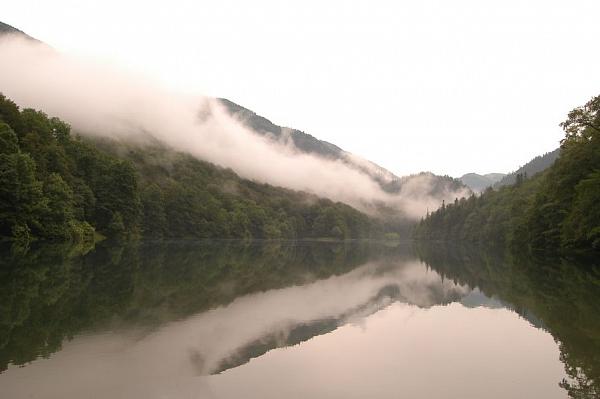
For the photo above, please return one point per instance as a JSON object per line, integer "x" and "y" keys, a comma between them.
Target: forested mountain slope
{"x": 303, "y": 142}
{"x": 6, "y": 28}
{"x": 531, "y": 168}
{"x": 557, "y": 209}
{"x": 57, "y": 186}
{"x": 373, "y": 189}
{"x": 306, "y": 143}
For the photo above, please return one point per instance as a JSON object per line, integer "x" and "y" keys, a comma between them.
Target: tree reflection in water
{"x": 562, "y": 295}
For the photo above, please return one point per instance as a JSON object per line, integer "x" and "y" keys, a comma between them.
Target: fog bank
{"x": 98, "y": 100}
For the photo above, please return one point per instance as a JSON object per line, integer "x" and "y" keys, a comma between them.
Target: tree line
{"x": 554, "y": 210}
{"x": 60, "y": 186}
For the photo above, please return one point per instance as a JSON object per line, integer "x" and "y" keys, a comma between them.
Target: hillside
{"x": 478, "y": 183}
{"x": 7, "y": 29}
{"x": 54, "y": 185}
{"x": 553, "y": 210}
{"x": 329, "y": 172}
{"x": 309, "y": 144}
{"x": 531, "y": 168}
{"x": 303, "y": 141}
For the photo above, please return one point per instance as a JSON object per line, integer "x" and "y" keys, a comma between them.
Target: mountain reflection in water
{"x": 204, "y": 319}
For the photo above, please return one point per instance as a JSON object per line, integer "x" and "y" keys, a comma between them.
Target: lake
{"x": 229, "y": 319}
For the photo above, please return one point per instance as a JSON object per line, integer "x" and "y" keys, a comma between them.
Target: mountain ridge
{"x": 531, "y": 168}
{"x": 478, "y": 183}
{"x": 406, "y": 197}
{"x": 9, "y": 29}
{"x": 308, "y": 144}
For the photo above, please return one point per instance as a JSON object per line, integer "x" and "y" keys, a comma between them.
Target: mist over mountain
{"x": 308, "y": 144}
{"x": 437, "y": 186}
{"x": 100, "y": 102}
{"x": 8, "y": 29}
{"x": 552, "y": 205}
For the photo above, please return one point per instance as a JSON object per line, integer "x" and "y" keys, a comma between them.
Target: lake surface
{"x": 295, "y": 320}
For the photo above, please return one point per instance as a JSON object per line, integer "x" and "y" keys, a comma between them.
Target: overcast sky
{"x": 451, "y": 87}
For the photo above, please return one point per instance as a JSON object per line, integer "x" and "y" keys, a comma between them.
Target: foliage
{"x": 557, "y": 209}
{"x": 57, "y": 186}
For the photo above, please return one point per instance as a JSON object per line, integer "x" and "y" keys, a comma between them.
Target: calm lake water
{"x": 295, "y": 320}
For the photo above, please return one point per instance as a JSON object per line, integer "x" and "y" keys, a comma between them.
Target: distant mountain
{"x": 306, "y": 143}
{"x": 552, "y": 212}
{"x": 478, "y": 183}
{"x": 531, "y": 168}
{"x": 303, "y": 141}
{"x": 8, "y": 29}
{"x": 125, "y": 189}
{"x": 410, "y": 195}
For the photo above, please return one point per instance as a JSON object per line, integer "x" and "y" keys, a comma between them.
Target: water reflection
{"x": 561, "y": 296}
{"x": 358, "y": 320}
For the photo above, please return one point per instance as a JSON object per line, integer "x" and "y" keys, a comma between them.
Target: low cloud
{"x": 98, "y": 100}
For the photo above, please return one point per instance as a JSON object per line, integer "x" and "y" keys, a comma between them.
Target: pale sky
{"x": 446, "y": 86}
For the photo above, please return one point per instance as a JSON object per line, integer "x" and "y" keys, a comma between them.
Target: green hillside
{"x": 555, "y": 210}
{"x": 54, "y": 185}
{"x": 531, "y": 168}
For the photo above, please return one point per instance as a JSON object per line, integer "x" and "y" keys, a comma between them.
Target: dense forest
{"x": 56, "y": 185}
{"x": 556, "y": 209}
{"x": 531, "y": 168}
